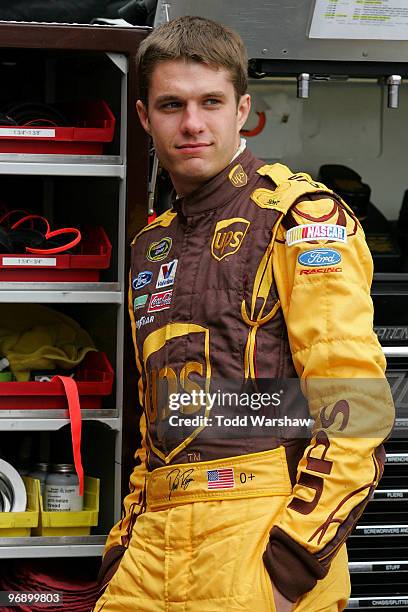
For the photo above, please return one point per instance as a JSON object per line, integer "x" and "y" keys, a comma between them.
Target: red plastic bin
{"x": 93, "y": 123}
{"x": 94, "y": 379}
{"x": 94, "y": 255}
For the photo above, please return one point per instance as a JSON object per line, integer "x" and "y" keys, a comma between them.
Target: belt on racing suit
{"x": 256, "y": 475}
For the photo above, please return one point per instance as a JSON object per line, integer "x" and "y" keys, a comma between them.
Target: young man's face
{"x": 194, "y": 120}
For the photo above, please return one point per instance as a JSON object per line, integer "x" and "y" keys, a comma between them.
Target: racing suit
{"x": 259, "y": 274}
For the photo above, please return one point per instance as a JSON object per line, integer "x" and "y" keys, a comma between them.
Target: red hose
{"x": 258, "y": 129}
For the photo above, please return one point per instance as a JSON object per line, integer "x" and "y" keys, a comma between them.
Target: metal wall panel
{"x": 278, "y": 29}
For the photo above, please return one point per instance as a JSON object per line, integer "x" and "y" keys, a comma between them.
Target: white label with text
{"x": 29, "y": 261}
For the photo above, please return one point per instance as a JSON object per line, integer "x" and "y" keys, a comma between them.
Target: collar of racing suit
{"x": 219, "y": 190}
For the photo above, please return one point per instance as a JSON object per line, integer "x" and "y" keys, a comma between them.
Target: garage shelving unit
{"x": 49, "y": 62}
{"x": 378, "y": 547}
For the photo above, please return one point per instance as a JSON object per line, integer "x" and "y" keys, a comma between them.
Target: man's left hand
{"x": 281, "y": 603}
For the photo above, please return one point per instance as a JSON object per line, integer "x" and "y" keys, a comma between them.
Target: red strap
{"x": 60, "y": 249}
{"x": 9, "y": 213}
{"x": 31, "y": 218}
{"x": 74, "y": 408}
{"x": 47, "y": 233}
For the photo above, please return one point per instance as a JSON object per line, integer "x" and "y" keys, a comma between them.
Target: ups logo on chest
{"x": 228, "y": 237}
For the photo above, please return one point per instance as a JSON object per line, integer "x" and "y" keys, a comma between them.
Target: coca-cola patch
{"x": 160, "y": 301}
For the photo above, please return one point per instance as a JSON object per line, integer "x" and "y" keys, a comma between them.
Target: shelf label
{"x": 397, "y": 459}
{"x": 29, "y": 261}
{"x": 364, "y": 568}
{"x": 390, "y": 567}
{"x": 360, "y": 19}
{"x": 384, "y": 602}
{"x": 27, "y": 132}
{"x": 384, "y": 531}
{"x": 390, "y": 494}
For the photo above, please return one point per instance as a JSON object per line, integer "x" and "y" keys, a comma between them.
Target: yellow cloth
{"x": 207, "y": 557}
{"x": 329, "y": 317}
{"x": 34, "y": 337}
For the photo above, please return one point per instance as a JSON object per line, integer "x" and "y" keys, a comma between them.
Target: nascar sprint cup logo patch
{"x": 159, "y": 250}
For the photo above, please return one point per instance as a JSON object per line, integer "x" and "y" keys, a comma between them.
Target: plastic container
{"x": 94, "y": 255}
{"x": 19, "y": 524}
{"x": 93, "y": 123}
{"x": 61, "y": 491}
{"x": 40, "y": 473}
{"x": 72, "y": 523}
{"x": 94, "y": 380}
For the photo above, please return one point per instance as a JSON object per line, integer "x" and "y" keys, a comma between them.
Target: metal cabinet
{"x": 50, "y": 62}
{"x": 378, "y": 547}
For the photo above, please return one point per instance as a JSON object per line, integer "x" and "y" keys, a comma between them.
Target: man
{"x": 255, "y": 273}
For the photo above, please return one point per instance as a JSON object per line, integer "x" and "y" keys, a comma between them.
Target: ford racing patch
{"x": 142, "y": 279}
{"x": 319, "y": 258}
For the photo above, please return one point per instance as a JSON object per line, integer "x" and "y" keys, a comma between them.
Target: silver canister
{"x": 61, "y": 491}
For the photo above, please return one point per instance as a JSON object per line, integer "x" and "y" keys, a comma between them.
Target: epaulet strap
{"x": 289, "y": 188}
{"x": 277, "y": 172}
{"x": 163, "y": 220}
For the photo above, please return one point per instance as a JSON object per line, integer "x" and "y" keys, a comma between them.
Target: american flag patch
{"x": 221, "y": 479}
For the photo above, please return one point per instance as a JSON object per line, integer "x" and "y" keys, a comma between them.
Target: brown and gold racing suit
{"x": 259, "y": 274}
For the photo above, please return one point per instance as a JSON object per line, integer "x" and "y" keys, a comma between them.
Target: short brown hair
{"x": 193, "y": 39}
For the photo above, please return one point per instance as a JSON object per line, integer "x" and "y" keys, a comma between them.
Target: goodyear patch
{"x": 144, "y": 321}
{"x": 319, "y": 258}
{"x": 316, "y": 231}
{"x": 238, "y": 176}
{"x": 157, "y": 251}
{"x": 228, "y": 237}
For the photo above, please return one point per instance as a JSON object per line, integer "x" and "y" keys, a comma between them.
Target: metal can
{"x": 62, "y": 489}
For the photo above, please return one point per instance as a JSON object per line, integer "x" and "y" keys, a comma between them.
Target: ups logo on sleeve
{"x": 228, "y": 237}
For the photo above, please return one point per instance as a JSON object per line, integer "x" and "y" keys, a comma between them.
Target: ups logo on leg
{"x": 228, "y": 237}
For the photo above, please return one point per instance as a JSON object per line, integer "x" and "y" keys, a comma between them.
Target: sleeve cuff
{"x": 293, "y": 570}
